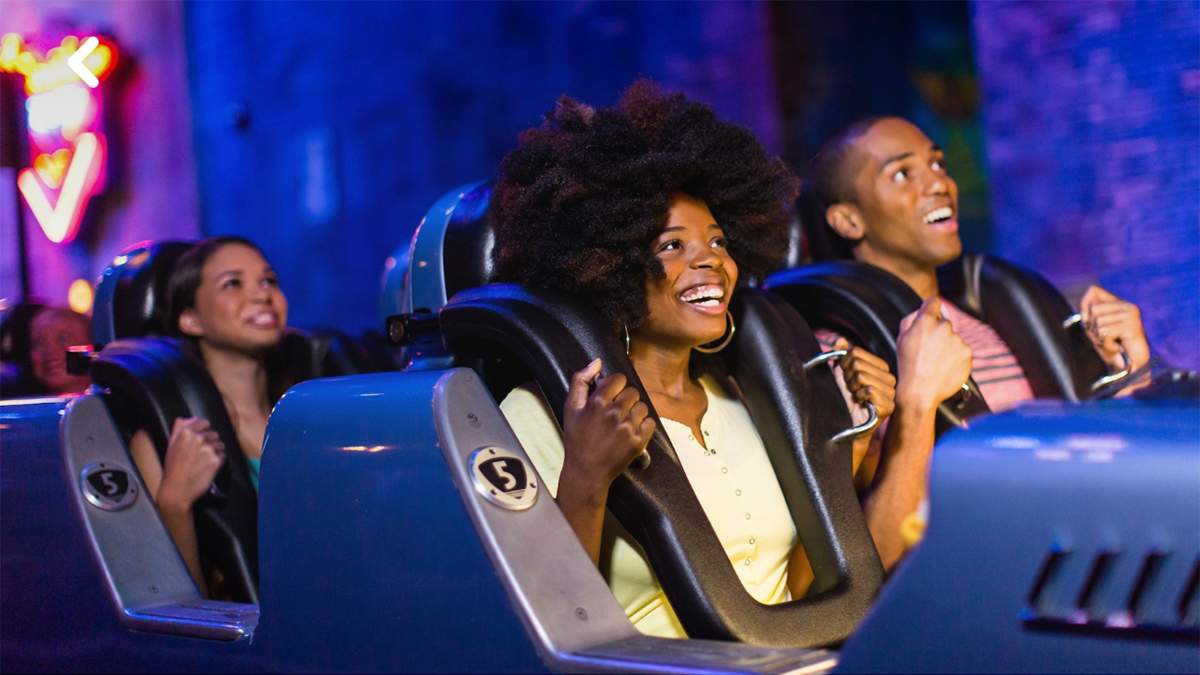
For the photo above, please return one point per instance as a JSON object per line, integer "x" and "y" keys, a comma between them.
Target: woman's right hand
{"x": 605, "y": 430}
{"x": 933, "y": 362}
{"x": 194, "y": 455}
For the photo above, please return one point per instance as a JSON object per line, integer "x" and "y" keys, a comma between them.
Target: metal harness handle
{"x": 1077, "y": 319}
{"x": 872, "y": 413}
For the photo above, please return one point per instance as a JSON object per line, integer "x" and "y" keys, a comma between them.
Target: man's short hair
{"x": 831, "y": 181}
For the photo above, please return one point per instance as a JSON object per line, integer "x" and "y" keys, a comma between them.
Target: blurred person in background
{"x": 33, "y": 348}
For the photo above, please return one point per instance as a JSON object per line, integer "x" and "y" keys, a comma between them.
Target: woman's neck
{"x": 663, "y": 370}
{"x": 240, "y": 377}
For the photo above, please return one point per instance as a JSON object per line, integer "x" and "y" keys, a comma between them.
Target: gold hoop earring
{"x": 626, "y": 329}
{"x": 706, "y": 349}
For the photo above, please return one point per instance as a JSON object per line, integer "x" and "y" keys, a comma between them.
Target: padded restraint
{"x": 131, "y": 295}
{"x": 866, "y": 304}
{"x": 1027, "y": 312}
{"x": 155, "y": 381}
{"x": 551, "y": 339}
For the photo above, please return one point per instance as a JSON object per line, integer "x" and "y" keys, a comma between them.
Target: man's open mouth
{"x": 939, "y": 215}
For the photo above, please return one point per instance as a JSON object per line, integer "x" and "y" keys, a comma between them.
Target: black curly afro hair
{"x": 579, "y": 202}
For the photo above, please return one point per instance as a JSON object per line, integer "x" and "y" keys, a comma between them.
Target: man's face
{"x": 907, "y": 202}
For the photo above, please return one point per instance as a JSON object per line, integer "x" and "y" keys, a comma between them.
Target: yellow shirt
{"x": 732, "y": 478}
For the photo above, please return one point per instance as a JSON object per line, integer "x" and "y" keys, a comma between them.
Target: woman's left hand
{"x": 868, "y": 378}
{"x": 1112, "y": 324}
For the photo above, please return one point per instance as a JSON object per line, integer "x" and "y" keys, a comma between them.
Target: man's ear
{"x": 847, "y": 221}
{"x": 189, "y": 323}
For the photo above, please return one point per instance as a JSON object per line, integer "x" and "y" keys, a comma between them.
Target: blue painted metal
{"x": 369, "y": 557}
{"x": 393, "y": 289}
{"x": 57, "y": 614}
{"x": 369, "y": 560}
{"x": 1119, "y": 477}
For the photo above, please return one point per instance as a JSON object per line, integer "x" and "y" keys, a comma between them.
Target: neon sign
{"x": 66, "y": 137}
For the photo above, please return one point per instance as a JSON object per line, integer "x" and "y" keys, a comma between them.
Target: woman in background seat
{"x": 33, "y": 341}
{"x": 223, "y": 297}
{"x": 648, "y": 212}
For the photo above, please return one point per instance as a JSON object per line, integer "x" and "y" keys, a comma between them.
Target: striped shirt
{"x": 1000, "y": 378}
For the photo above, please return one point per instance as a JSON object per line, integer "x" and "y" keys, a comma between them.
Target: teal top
{"x": 254, "y": 463}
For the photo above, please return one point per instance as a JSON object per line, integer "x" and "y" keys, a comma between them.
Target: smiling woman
{"x": 648, "y": 211}
{"x": 224, "y": 299}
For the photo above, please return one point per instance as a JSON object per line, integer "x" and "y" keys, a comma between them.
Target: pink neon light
{"x": 60, "y": 221}
{"x": 66, "y": 144}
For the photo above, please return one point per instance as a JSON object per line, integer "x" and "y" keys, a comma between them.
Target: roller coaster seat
{"x": 550, "y": 338}
{"x": 131, "y": 296}
{"x": 149, "y": 383}
{"x": 867, "y": 304}
{"x": 1029, "y": 313}
{"x": 511, "y": 335}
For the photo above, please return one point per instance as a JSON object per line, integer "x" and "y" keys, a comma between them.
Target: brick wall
{"x": 324, "y": 131}
{"x": 1092, "y": 118}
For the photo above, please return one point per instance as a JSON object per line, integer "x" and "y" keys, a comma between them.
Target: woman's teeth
{"x": 704, "y": 296}
{"x": 939, "y": 214}
{"x": 265, "y": 320}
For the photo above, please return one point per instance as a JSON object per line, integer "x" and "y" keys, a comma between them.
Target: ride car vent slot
{"x": 1092, "y": 591}
{"x": 1090, "y": 594}
{"x": 1151, "y": 567}
{"x": 1190, "y": 598}
{"x": 1051, "y": 570}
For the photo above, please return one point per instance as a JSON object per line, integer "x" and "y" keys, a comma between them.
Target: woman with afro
{"x": 650, "y": 211}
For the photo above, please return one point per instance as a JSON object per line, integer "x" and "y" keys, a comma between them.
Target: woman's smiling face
{"x": 687, "y": 306}
{"x": 238, "y": 304}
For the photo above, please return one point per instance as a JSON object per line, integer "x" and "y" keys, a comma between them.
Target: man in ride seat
{"x": 880, "y": 194}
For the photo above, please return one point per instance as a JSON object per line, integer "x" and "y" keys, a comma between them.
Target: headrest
{"x": 1028, "y": 312}
{"x": 552, "y": 338}
{"x": 469, "y": 241}
{"x": 155, "y": 381}
{"x": 866, "y": 304}
{"x": 325, "y": 352}
{"x": 131, "y": 294}
{"x": 451, "y": 249}
{"x": 392, "y": 291}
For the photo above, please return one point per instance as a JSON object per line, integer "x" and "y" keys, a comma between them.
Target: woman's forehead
{"x": 234, "y": 257}
{"x": 689, "y": 212}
